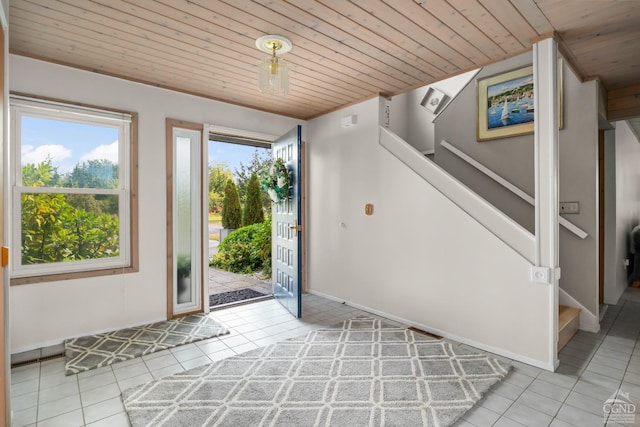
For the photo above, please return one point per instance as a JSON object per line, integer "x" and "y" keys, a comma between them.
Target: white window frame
{"x": 25, "y": 106}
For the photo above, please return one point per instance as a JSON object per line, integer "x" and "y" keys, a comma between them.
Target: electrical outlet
{"x": 569, "y": 207}
{"x": 540, "y": 275}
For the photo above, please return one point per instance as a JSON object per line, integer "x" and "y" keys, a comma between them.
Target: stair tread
{"x": 566, "y": 315}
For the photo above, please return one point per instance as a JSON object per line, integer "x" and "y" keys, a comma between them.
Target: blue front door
{"x": 286, "y": 228}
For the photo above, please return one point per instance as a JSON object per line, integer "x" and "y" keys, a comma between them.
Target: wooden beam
{"x": 623, "y": 103}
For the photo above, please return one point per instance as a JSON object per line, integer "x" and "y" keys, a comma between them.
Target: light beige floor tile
{"x": 103, "y": 409}
{"x": 56, "y": 393}
{"x": 96, "y": 381}
{"x": 58, "y": 407}
{"x": 118, "y": 420}
{"x": 135, "y": 381}
{"x": 167, "y": 370}
{"x": 99, "y": 394}
{"x": 69, "y": 419}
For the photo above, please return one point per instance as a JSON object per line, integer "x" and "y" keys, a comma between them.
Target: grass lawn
{"x": 214, "y": 217}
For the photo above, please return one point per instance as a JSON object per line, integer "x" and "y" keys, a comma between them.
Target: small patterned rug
{"x": 95, "y": 351}
{"x": 234, "y": 296}
{"x": 364, "y": 373}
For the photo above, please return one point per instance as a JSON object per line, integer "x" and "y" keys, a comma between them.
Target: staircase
{"x": 568, "y": 324}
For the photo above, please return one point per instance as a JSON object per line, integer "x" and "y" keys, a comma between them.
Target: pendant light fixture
{"x": 274, "y": 72}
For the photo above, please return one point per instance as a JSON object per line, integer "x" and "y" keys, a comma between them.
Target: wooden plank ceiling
{"x": 343, "y": 51}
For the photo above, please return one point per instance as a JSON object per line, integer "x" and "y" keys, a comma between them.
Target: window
{"x": 74, "y": 208}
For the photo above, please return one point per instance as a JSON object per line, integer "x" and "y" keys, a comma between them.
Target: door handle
{"x": 296, "y": 228}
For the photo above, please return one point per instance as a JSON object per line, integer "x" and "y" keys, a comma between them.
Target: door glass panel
{"x": 186, "y": 220}
{"x": 183, "y": 219}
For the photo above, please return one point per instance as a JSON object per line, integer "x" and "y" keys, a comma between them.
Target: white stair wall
{"x": 588, "y": 321}
{"x": 509, "y": 231}
{"x": 420, "y": 257}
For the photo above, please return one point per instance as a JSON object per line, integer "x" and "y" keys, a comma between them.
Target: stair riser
{"x": 568, "y": 331}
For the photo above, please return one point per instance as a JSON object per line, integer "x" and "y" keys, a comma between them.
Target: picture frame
{"x": 434, "y": 100}
{"x": 505, "y": 104}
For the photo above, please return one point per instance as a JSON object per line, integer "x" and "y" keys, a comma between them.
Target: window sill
{"x": 15, "y": 281}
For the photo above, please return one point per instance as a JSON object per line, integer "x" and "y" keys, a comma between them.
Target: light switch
{"x": 569, "y": 207}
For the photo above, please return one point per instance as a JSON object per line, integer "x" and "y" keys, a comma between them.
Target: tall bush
{"x": 231, "y": 211}
{"x": 246, "y": 250}
{"x": 253, "y": 213}
{"x": 219, "y": 174}
{"x": 260, "y": 160}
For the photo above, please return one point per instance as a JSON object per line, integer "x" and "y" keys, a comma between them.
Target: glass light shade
{"x": 274, "y": 76}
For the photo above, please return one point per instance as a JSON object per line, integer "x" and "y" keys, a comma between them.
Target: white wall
{"x": 5, "y": 8}
{"x": 611, "y": 290}
{"x": 513, "y": 159}
{"x": 627, "y": 182}
{"x": 579, "y": 182}
{"x": 418, "y": 258}
{"x": 399, "y": 113}
{"x": 420, "y": 125}
{"x": 44, "y": 314}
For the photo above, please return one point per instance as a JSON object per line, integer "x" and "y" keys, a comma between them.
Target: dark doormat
{"x": 234, "y": 296}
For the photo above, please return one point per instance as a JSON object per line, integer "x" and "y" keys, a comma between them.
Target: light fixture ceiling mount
{"x": 274, "y": 72}
{"x": 270, "y": 43}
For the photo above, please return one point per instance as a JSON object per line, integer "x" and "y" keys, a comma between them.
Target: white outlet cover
{"x": 540, "y": 275}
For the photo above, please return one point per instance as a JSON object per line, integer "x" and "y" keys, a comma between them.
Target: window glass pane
{"x": 183, "y": 181}
{"x": 69, "y": 227}
{"x": 73, "y": 200}
{"x": 59, "y": 153}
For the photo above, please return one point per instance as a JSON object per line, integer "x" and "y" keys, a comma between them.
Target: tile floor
{"x": 593, "y": 367}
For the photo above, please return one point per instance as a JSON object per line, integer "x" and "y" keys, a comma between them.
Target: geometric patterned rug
{"x": 95, "y": 351}
{"x": 362, "y": 373}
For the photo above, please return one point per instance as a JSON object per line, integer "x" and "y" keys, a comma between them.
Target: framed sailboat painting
{"x": 505, "y": 104}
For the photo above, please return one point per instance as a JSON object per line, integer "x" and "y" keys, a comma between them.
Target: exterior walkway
{"x": 221, "y": 281}
{"x": 224, "y": 281}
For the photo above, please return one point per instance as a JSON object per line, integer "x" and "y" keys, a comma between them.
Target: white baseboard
{"x": 57, "y": 341}
{"x": 38, "y": 346}
{"x": 588, "y": 321}
{"x": 499, "y": 351}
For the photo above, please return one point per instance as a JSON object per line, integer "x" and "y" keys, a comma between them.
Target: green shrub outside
{"x": 246, "y": 250}
{"x": 231, "y": 210}
{"x": 252, "y": 213}
{"x": 183, "y": 267}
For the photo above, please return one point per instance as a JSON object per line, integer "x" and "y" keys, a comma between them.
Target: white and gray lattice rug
{"x": 364, "y": 373}
{"x": 95, "y": 351}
